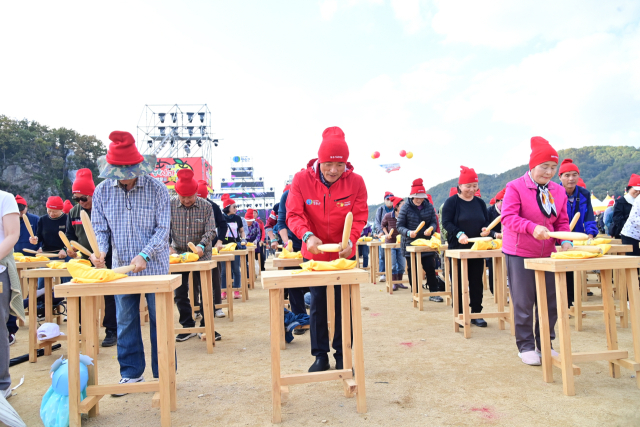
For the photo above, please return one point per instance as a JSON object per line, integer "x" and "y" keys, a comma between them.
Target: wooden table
{"x": 206, "y": 287}
{"x": 20, "y": 266}
{"x": 353, "y": 381}
{"x": 226, "y": 258}
{"x": 565, "y": 360}
{"x": 165, "y": 388}
{"x": 251, "y": 254}
{"x": 417, "y": 292}
{"x": 499, "y": 285}
{"x": 31, "y": 276}
{"x": 388, "y": 261}
{"x": 374, "y": 260}
{"x": 580, "y": 287}
{"x": 358, "y": 244}
{"x": 243, "y": 254}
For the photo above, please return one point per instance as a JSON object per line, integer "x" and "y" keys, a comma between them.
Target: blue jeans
{"x": 235, "y": 272}
{"x": 364, "y": 250}
{"x": 130, "y": 346}
{"x": 381, "y": 262}
{"x": 397, "y": 261}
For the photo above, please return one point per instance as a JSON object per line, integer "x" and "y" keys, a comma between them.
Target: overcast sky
{"x": 455, "y": 82}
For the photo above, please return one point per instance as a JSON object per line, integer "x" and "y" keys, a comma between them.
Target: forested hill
{"x": 38, "y": 162}
{"x": 603, "y": 169}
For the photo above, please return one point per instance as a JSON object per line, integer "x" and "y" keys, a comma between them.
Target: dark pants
{"x": 429, "y": 267}
{"x": 296, "y": 297}
{"x": 489, "y": 262}
{"x": 181, "y": 298}
{"x": 364, "y": 251}
{"x": 263, "y": 256}
{"x": 110, "y": 322}
{"x": 476, "y": 270}
{"x": 570, "y": 283}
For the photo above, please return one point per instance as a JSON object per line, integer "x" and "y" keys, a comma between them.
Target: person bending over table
{"x": 318, "y": 203}
{"x": 235, "y": 234}
{"x": 533, "y": 205}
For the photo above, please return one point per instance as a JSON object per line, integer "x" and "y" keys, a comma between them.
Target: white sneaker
{"x": 553, "y": 353}
{"x": 219, "y": 313}
{"x": 383, "y": 278}
{"x": 6, "y": 393}
{"x": 128, "y": 381}
{"x": 530, "y": 358}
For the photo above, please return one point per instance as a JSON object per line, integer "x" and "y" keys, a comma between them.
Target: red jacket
{"x": 311, "y": 206}
{"x": 261, "y": 224}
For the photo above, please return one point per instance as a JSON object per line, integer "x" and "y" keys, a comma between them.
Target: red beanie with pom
{"x": 581, "y": 183}
{"x": 227, "y": 200}
{"x": 500, "y": 194}
{"x": 55, "y": 202}
{"x": 395, "y": 200}
{"x": 203, "y": 190}
{"x": 453, "y": 191}
{"x": 568, "y": 166}
{"x": 67, "y": 206}
{"x": 186, "y": 185}
{"x": 249, "y": 215}
{"x": 84, "y": 183}
{"x": 634, "y": 181}
{"x": 20, "y": 200}
{"x": 467, "y": 176}
{"x": 541, "y": 152}
{"x": 430, "y": 199}
{"x": 333, "y": 147}
{"x": 492, "y": 201}
{"x": 122, "y": 150}
{"x": 417, "y": 189}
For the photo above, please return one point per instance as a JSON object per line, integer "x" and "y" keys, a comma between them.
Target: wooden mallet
{"x": 574, "y": 221}
{"x": 335, "y": 247}
{"x": 31, "y": 251}
{"x": 28, "y": 225}
{"x": 91, "y": 235}
{"x": 567, "y": 235}
{"x": 124, "y": 270}
{"x": 193, "y": 248}
{"x": 494, "y": 223}
{"x": 80, "y": 248}
{"x": 419, "y": 227}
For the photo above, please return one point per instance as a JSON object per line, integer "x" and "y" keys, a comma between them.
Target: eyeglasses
{"x": 80, "y": 199}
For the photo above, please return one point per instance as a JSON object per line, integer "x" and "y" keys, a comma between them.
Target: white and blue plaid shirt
{"x": 137, "y": 221}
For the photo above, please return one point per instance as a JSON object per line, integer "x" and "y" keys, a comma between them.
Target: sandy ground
{"x": 418, "y": 372}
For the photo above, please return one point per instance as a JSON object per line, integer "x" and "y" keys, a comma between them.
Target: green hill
{"x": 604, "y": 170}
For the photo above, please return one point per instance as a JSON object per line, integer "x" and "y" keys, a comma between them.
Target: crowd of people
{"x": 138, "y": 222}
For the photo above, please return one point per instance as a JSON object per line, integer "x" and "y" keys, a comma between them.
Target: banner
{"x": 246, "y": 195}
{"x": 167, "y": 169}
{"x": 391, "y": 167}
{"x": 242, "y": 174}
{"x": 242, "y": 184}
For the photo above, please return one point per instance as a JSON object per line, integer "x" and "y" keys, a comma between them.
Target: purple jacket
{"x": 521, "y": 214}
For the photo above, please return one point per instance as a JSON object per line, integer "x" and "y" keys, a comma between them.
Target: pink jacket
{"x": 521, "y": 214}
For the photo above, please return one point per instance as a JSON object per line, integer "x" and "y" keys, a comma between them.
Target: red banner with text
{"x": 167, "y": 169}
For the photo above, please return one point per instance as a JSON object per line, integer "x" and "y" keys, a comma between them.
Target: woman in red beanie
{"x": 533, "y": 205}
{"x": 318, "y": 202}
{"x": 389, "y": 224}
{"x": 235, "y": 234}
{"x": 463, "y": 216}
{"x": 47, "y": 238}
{"x": 494, "y": 211}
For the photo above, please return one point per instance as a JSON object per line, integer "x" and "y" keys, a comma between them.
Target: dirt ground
{"x": 418, "y": 372}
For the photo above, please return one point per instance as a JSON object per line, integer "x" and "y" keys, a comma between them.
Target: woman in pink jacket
{"x": 532, "y": 206}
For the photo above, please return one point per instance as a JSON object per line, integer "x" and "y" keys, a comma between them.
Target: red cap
{"x": 333, "y": 147}
{"x": 286, "y": 187}
{"x": 467, "y": 176}
{"x": 568, "y": 166}
{"x": 478, "y": 193}
{"x": 430, "y": 199}
{"x": 122, "y": 150}
{"x": 541, "y": 152}
{"x": 227, "y": 200}
{"x": 417, "y": 189}
{"x": 500, "y": 194}
{"x": 634, "y": 181}
{"x": 186, "y": 185}
{"x": 203, "y": 191}
{"x": 611, "y": 203}
{"x": 84, "y": 183}
{"x": 21, "y": 200}
{"x": 67, "y": 206}
{"x": 396, "y": 200}
{"x": 581, "y": 183}
{"x": 453, "y": 191}
{"x": 492, "y": 201}
{"x": 387, "y": 194}
{"x": 249, "y": 215}
{"x": 55, "y": 202}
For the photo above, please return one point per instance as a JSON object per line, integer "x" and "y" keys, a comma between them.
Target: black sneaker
{"x": 110, "y": 339}
{"x": 479, "y": 322}
{"x": 436, "y": 299}
{"x": 299, "y": 331}
{"x": 12, "y": 339}
{"x": 184, "y": 337}
{"x": 218, "y": 336}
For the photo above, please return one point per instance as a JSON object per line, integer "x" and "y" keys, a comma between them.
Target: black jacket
{"x": 410, "y": 217}
{"x": 493, "y": 214}
{"x": 621, "y": 211}
{"x": 221, "y": 224}
{"x": 450, "y": 213}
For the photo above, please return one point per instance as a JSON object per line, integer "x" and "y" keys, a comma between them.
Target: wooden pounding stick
{"x": 419, "y": 227}
{"x": 348, "y": 221}
{"x": 124, "y": 270}
{"x": 31, "y": 251}
{"x": 567, "y": 235}
{"x": 80, "y": 248}
{"x": 64, "y": 239}
{"x": 428, "y": 230}
{"x": 91, "y": 235}
{"x": 574, "y": 221}
{"x": 28, "y": 225}
{"x": 494, "y": 223}
{"x": 193, "y": 248}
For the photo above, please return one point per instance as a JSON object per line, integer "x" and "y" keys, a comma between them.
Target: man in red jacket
{"x": 319, "y": 200}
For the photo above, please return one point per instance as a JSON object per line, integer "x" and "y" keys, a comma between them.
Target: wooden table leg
{"x": 192, "y": 299}
{"x": 466, "y": 311}
{"x": 373, "y": 254}
{"x": 229, "y": 290}
{"x": 345, "y": 309}
{"x": 414, "y": 279}
{"x": 357, "y": 255}
{"x": 206, "y": 308}
{"x": 331, "y": 311}
{"x": 418, "y": 281}
{"x": 48, "y": 310}
{"x": 24, "y": 283}
{"x": 610, "y": 323}
{"x": 283, "y": 341}
{"x": 73, "y": 304}
{"x": 276, "y": 326}
{"x": 361, "y": 396}
{"x": 564, "y": 332}
{"x": 243, "y": 282}
{"x": 623, "y": 292}
{"x": 33, "y": 320}
{"x": 498, "y": 287}
{"x": 545, "y": 334}
{"x": 91, "y": 344}
{"x": 163, "y": 357}
{"x": 454, "y": 292}
{"x": 171, "y": 349}
{"x": 631, "y": 280}
{"x": 447, "y": 281}
{"x": 388, "y": 267}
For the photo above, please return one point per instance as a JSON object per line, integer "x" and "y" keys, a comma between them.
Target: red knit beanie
{"x": 467, "y": 176}
{"x": 395, "y": 200}
{"x": 500, "y": 194}
{"x": 287, "y": 187}
{"x": 67, "y": 206}
{"x": 567, "y": 166}
{"x": 430, "y": 199}
{"x": 492, "y": 201}
{"x": 634, "y": 181}
{"x": 581, "y": 183}
{"x": 227, "y": 200}
{"x": 333, "y": 147}
{"x": 84, "y": 183}
{"x": 541, "y": 152}
{"x": 186, "y": 185}
{"x": 20, "y": 200}
{"x": 122, "y": 150}
{"x": 417, "y": 189}
{"x": 203, "y": 190}
{"x": 453, "y": 191}
{"x": 55, "y": 202}
{"x": 387, "y": 194}
{"x": 478, "y": 193}
{"x": 249, "y": 215}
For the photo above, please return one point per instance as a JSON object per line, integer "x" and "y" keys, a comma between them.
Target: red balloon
{"x": 376, "y": 154}
{"x": 403, "y": 153}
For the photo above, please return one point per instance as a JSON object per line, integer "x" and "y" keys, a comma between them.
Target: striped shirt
{"x": 194, "y": 224}
{"x": 137, "y": 221}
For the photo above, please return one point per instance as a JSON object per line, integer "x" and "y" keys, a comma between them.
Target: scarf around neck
{"x": 545, "y": 199}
